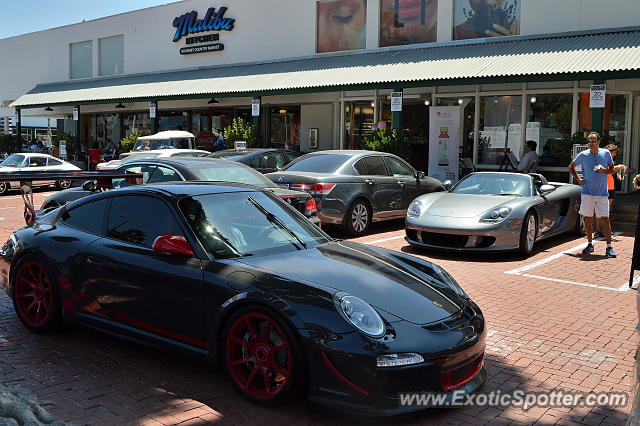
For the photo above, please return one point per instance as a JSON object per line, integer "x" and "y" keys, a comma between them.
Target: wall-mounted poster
{"x": 313, "y": 138}
{"x": 444, "y": 143}
{"x": 408, "y": 22}
{"x": 485, "y": 18}
{"x": 341, "y": 25}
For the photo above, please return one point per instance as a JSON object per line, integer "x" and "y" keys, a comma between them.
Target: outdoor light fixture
{"x": 427, "y": 102}
{"x": 120, "y": 105}
{"x": 213, "y": 101}
{"x": 283, "y": 111}
{"x": 48, "y": 109}
{"x": 460, "y": 101}
{"x": 373, "y": 104}
{"x": 533, "y": 99}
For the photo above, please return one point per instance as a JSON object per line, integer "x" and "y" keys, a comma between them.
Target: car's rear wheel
{"x": 35, "y": 295}
{"x": 358, "y": 217}
{"x": 63, "y": 184}
{"x": 580, "y": 228}
{"x": 261, "y": 355}
{"x": 528, "y": 233}
{"x": 4, "y": 187}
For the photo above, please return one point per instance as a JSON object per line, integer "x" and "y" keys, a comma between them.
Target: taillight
{"x": 321, "y": 188}
{"x": 300, "y": 186}
{"x": 311, "y": 207}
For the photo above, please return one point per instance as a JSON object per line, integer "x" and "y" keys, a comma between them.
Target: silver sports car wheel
{"x": 358, "y": 217}
{"x": 528, "y": 234}
{"x": 63, "y": 184}
{"x": 4, "y": 187}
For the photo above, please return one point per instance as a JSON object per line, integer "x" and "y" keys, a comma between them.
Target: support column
{"x": 396, "y": 116}
{"x": 597, "y": 114}
{"x": 154, "y": 120}
{"x": 256, "y": 119}
{"x": 18, "y": 126}
{"x": 78, "y": 144}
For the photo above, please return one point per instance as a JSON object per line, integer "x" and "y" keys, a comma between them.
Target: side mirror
{"x": 446, "y": 184}
{"x": 172, "y": 244}
{"x": 545, "y": 189}
{"x": 89, "y": 185}
{"x": 420, "y": 175}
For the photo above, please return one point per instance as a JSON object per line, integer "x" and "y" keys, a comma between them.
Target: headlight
{"x": 360, "y": 314}
{"x": 415, "y": 209}
{"x": 497, "y": 215}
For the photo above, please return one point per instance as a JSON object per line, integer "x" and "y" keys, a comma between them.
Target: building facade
{"x": 320, "y": 74}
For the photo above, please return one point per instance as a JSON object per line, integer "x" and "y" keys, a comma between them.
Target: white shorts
{"x": 598, "y": 204}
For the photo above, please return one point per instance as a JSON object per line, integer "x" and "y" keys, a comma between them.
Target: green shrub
{"x": 394, "y": 141}
{"x": 126, "y": 144}
{"x": 241, "y": 130}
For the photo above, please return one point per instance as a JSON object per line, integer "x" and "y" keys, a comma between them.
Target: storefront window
{"x": 80, "y": 60}
{"x": 549, "y": 125}
{"x": 173, "y": 120}
{"x": 107, "y": 130}
{"x": 614, "y": 121}
{"x": 285, "y": 126}
{"x": 139, "y": 123}
{"x": 200, "y": 122}
{"x": 111, "y": 55}
{"x": 358, "y": 119}
{"x": 500, "y": 128}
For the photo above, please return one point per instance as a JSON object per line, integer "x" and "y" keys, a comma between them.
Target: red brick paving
{"x": 543, "y": 335}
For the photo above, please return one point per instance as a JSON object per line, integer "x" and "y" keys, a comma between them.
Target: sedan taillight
{"x": 300, "y": 187}
{"x": 311, "y": 207}
{"x": 321, "y": 188}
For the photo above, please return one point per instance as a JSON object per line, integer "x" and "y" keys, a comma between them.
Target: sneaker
{"x": 610, "y": 252}
{"x": 588, "y": 249}
{"x": 598, "y": 235}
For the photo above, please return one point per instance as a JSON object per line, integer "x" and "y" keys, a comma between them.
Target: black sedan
{"x": 354, "y": 188}
{"x": 233, "y": 273}
{"x": 156, "y": 170}
{"x": 264, "y": 160}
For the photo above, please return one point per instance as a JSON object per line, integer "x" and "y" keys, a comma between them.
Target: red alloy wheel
{"x": 258, "y": 355}
{"x": 33, "y": 293}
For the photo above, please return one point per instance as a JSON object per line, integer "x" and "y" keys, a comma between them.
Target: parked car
{"x": 489, "y": 211}
{"x": 167, "y": 139}
{"x": 230, "y": 272}
{"x": 35, "y": 162}
{"x": 264, "y": 160}
{"x": 157, "y": 153}
{"x": 192, "y": 169}
{"x": 354, "y": 188}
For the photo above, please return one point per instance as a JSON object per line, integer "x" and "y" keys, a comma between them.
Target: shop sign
{"x": 206, "y": 140}
{"x": 255, "y": 107}
{"x": 444, "y": 143}
{"x": 396, "y": 101}
{"x": 240, "y": 145}
{"x": 63, "y": 149}
{"x": 152, "y": 110}
{"x": 75, "y": 114}
{"x": 597, "y": 95}
{"x": 189, "y": 24}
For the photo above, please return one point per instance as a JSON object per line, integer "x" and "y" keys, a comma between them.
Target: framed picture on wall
{"x": 313, "y": 138}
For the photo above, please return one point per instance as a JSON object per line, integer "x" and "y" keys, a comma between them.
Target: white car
{"x": 34, "y": 162}
{"x": 156, "y": 153}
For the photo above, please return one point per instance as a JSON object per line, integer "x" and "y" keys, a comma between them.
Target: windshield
{"x": 152, "y": 144}
{"x": 230, "y": 173}
{"x": 323, "y": 163}
{"x": 242, "y": 224}
{"x": 494, "y": 184}
{"x": 14, "y": 160}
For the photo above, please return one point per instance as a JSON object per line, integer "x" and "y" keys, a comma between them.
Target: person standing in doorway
{"x": 596, "y": 164}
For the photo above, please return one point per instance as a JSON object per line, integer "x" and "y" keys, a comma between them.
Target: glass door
{"x": 358, "y": 119}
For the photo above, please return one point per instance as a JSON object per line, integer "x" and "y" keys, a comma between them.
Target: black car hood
{"x": 381, "y": 280}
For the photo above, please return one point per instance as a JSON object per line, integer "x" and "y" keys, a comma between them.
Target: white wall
{"x": 317, "y": 116}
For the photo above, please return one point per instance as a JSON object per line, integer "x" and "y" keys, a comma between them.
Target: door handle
{"x": 92, "y": 261}
{"x": 369, "y": 181}
{"x": 401, "y": 183}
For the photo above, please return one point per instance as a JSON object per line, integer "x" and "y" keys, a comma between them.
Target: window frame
{"x": 71, "y": 77}
{"x": 100, "y": 74}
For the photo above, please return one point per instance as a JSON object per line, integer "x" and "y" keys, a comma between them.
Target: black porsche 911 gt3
{"x": 232, "y": 272}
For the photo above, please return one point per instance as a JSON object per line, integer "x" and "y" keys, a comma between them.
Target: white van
{"x": 177, "y": 139}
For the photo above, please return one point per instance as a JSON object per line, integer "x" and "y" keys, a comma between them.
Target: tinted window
{"x": 323, "y": 163}
{"x": 145, "y": 169}
{"x": 375, "y": 166}
{"x": 139, "y": 220}
{"x": 38, "y": 161}
{"x": 398, "y": 168}
{"x": 54, "y": 162}
{"x": 274, "y": 160}
{"x": 164, "y": 174}
{"x": 291, "y": 156}
{"x": 87, "y": 217}
{"x": 14, "y": 160}
{"x": 255, "y": 161}
{"x": 230, "y": 173}
{"x": 359, "y": 166}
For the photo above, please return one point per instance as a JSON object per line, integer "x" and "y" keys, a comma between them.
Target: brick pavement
{"x": 543, "y": 335}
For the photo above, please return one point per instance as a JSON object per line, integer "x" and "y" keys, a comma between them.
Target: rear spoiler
{"x": 103, "y": 177}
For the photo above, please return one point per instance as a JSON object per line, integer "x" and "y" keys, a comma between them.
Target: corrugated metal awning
{"x": 469, "y": 62}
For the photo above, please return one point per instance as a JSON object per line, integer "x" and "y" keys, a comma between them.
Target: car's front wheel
{"x": 528, "y": 233}
{"x": 35, "y": 295}
{"x": 63, "y": 184}
{"x": 4, "y": 187}
{"x": 358, "y": 217}
{"x": 261, "y": 355}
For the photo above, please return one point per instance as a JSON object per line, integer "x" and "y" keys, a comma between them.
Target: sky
{"x": 27, "y": 16}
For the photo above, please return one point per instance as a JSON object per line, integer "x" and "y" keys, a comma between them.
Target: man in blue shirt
{"x": 596, "y": 164}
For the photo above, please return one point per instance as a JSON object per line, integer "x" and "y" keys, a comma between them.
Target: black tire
{"x": 528, "y": 233}
{"x": 247, "y": 351}
{"x": 358, "y": 217}
{"x": 4, "y": 187}
{"x": 36, "y": 296}
{"x": 63, "y": 184}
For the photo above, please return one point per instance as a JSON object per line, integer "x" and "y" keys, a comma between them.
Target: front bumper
{"x": 463, "y": 234}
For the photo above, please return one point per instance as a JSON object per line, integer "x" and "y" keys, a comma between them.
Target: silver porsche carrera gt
{"x": 489, "y": 211}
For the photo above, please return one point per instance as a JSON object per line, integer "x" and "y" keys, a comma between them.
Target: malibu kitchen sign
{"x": 189, "y": 24}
